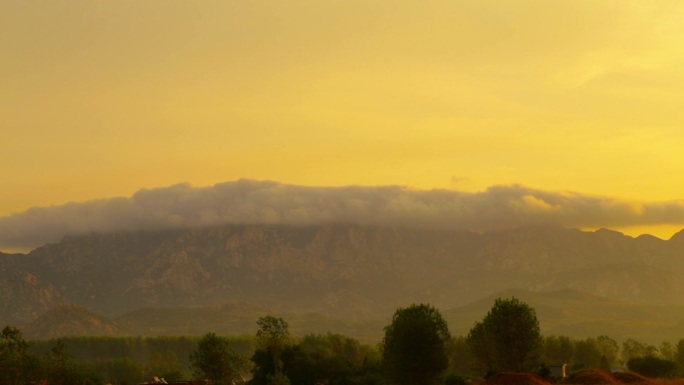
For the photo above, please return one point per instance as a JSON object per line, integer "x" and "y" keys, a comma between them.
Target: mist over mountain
{"x": 346, "y": 274}
{"x": 266, "y": 202}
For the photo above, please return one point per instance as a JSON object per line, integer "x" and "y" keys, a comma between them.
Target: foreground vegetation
{"x": 417, "y": 349}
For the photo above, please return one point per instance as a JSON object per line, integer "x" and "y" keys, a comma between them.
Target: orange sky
{"x": 101, "y": 98}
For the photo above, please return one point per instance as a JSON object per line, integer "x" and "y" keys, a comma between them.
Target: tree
{"x": 508, "y": 338}
{"x": 329, "y": 359}
{"x": 652, "y": 366}
{"x": 666, "y": 351}
{"x": 635, "y": 349}
{"x": 460, "y": 357}
{"x": 273, "y": 336}
{"x": 164, "y": 365}
{"x": 414, "y": 346}
{"x": 587, "y": 354}
{"x": 214, "y": 360}
{"x": 609, "y": 351}
{"x": 679, "y": 356}
{"x": 273, "y": 333}
{"x": 17, "y": 366}
{"x": 557, "y": 350}
{"x": 119, "y": 370}
{"x": 482, "y": 347}
{"x": 60, "y": 368}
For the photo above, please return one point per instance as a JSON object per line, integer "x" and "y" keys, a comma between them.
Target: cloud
{"x": 250, "y": 201}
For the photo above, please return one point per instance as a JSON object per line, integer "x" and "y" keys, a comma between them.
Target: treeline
{"x": 417, "y": 349}
{"x": 101, "y": 360}
{"x": 600, "y": 352}
{"x": 143, "y": 351}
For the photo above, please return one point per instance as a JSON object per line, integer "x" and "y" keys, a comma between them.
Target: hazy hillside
{"x": 23, "y": 295}
{"x": 346, "y": 274}
{"x": 565, "y": 312}
{"x": 71, "y": 320}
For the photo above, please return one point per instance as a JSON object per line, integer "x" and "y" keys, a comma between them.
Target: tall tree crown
{"x": 508, "y": 338}
{"x": 414, "y": 346}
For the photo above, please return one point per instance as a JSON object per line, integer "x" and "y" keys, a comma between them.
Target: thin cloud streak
{"x": 251, "y": 202}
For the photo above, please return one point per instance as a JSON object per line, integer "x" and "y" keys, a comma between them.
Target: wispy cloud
{"x": 250, "y": 201}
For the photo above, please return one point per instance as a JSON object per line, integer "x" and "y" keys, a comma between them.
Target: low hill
{"x": 72, "y": 320}
{"x": 566, "y": 312}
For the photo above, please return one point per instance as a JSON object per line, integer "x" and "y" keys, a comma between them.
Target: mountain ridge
{"x": 352, "y": 273}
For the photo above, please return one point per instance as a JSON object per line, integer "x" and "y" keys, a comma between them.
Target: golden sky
{"x": 99, "y": 99}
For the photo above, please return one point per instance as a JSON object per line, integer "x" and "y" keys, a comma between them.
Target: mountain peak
{"x": 678, "y": 236}
{"x": 609, "y": 232}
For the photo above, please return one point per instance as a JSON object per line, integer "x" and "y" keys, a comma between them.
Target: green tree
{"x": 164, "y": 365}
{"x": 608, "y": 349}
{"x": 273, "y": 337}
{"x": 120, "y": 371}
{"x": 214, "y": 360}
{"x": 666, "y": 351}
{"x": 481, "y": 344}
{"x": 508, "y": 338}
{"x": 635, "y": 349}
{"x": 273, "y": 334}
{"x": 460, "y": 357}
{"x": 679, "y": 356}
{"x": 557, "y": 350}
{"x": 17, "y": 365}
{"x": 329, "y": 359}
{"x": 414, "y": 346}
{"x": 587, "y": 354}
{"x": 652, "y": 366}
{"x": 60, "y": 367}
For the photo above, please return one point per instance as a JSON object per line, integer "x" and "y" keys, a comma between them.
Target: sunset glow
{"x": 99, "y": 99}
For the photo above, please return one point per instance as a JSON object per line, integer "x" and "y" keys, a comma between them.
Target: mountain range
{"x": 342, "y": 278}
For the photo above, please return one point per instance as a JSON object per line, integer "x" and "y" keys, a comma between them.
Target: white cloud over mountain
{"x": 251, "y": 201}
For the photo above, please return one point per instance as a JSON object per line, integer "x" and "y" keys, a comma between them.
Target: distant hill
{"x": 72, "y": 320}
{"x": 227, "y": 318}
{"x": 564, "y": 312}
{"x": 344, "y": 275}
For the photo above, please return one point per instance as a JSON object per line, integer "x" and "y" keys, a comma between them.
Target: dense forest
{"x": 273, "y": 356}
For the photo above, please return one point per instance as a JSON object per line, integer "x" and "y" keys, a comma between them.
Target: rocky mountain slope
{"x": 344, "y": 272}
